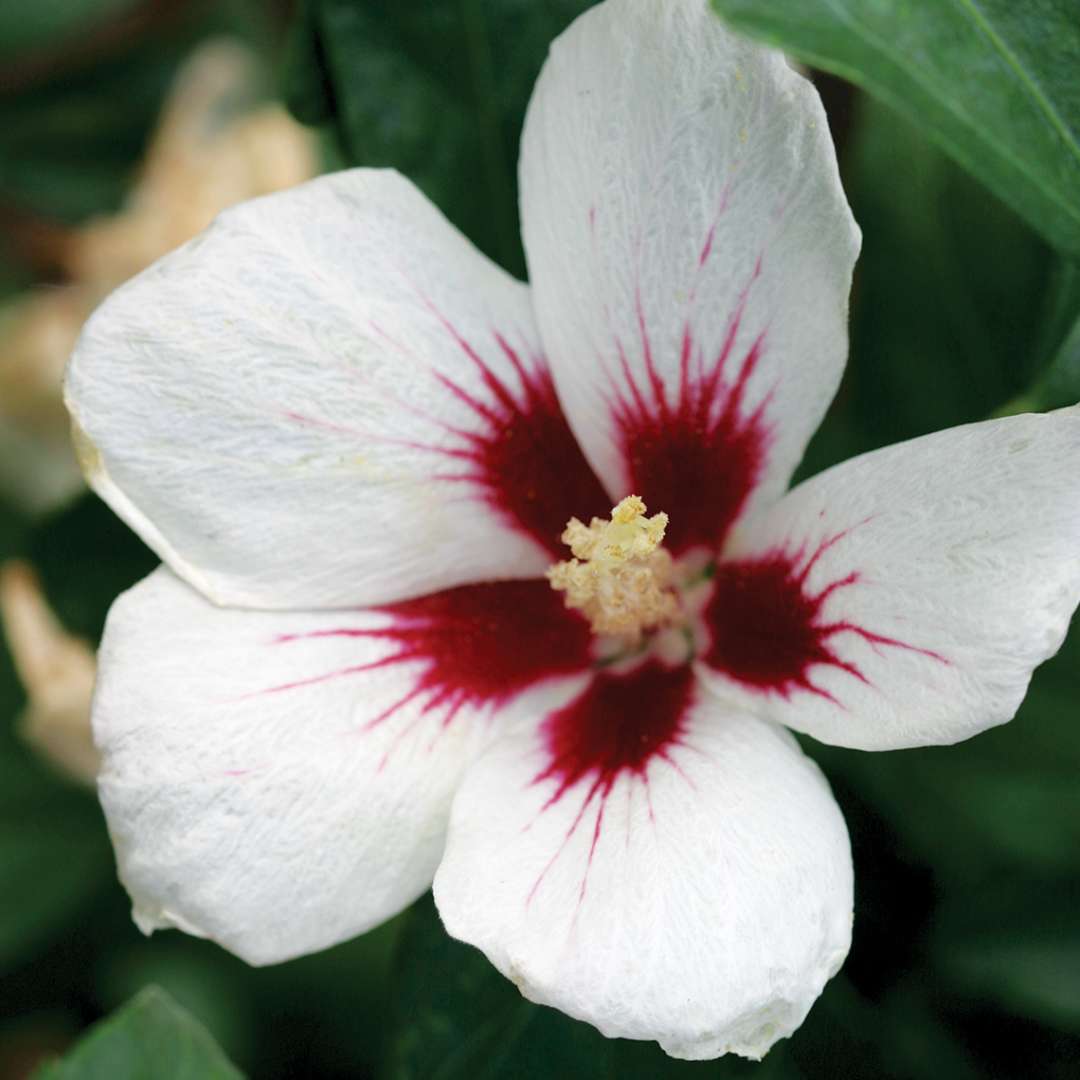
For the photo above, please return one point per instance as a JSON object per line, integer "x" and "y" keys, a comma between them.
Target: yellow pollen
{"x": 620, "y": 578}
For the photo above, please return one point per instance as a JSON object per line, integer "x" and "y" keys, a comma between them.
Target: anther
{"x": 620, "y": 578}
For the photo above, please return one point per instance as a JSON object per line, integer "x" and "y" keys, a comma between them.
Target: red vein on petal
{"x": 476, "y": 646}
{"x": 694, "y": 448}
{"x": 522, "y": 458}
{"x": 617, "y": 727}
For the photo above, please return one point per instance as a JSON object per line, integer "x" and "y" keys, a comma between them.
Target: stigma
{"x": 620, "y": 577}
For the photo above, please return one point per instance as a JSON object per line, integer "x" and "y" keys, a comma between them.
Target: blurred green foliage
{"x": 436, "y": 90}
{"x": 24, "y": 28}
{"x": 53, "y": 852}
{"x": 78, "y": 98}
{"x": 966, "y": 960}
{"x": 149, "y": 1037}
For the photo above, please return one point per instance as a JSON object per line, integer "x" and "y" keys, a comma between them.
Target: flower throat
{"x": 620, "y": 577}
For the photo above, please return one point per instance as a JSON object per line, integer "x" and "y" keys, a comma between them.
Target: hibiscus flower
{"x": 371, "y": 663}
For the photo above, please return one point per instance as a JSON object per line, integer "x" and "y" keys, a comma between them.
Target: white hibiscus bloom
{"x": 356, "y": 444}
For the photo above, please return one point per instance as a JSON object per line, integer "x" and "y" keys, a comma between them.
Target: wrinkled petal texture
{"x": 281, "y": 782}
{"x": 329, "y": 398}
{"x": 690, "y": 251}
{"x": 904, "y": 597}
{"x": 656, "y": 864}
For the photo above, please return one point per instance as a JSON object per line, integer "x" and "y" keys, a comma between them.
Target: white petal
{"x": 280, "y": 782}
{"x": 655, "y": 864}
{"x": 904, "y": 597}
{"x": 690, "y": 250}
{"x": 329, "y": 398}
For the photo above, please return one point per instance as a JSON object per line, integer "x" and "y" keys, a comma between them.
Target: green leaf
{"x": 436, "y": 90}
{"x": 151, "y": 1038}
{"x": 994, "y": 82}
{"x": 947, "y": 308}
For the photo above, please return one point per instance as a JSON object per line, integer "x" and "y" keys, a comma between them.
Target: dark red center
{"x": 477, "y": 645}
{"x": 765, "y": 627}
{"x": 487, "y": 643}
{"x": 695, "y": 449}
{"x": 522, "y": 455}
{"x": 617, "y": 725}
{"x": 770, "y": 631}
